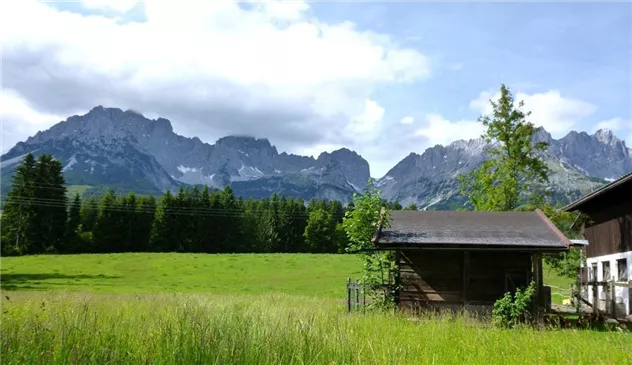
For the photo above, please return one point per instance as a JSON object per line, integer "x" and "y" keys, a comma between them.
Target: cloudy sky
{"x": 382, "y": 78}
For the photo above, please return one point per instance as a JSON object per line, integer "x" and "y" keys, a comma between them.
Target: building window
{"x": 605, "y": 267}
{"x": 622, "y": 268}
{"x": 593, "y": 272}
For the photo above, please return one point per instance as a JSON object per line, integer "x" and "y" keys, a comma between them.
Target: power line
{"x": 174, "y": 210}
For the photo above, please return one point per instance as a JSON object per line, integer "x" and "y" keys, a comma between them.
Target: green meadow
{"x": 246, "y": 309}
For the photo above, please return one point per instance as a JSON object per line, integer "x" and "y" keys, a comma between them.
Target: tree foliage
{"x": 195, "y": 219}
{"x": 511, "y": 175}
{"x": 360, "y": 224}
{"x": 34, "y": 214}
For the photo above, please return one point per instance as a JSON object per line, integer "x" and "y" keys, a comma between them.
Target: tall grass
{"x": 269, "y": 329}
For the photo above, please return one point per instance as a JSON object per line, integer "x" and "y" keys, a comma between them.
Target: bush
{"x": 510, "y": 311}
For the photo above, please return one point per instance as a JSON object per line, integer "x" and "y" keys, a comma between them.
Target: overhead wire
{"x": 174, "y": 210}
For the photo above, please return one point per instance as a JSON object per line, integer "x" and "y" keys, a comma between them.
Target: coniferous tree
{"x": 162, "y": 230}
{"x": 144, "y": 221}
{"x": 129, "y": 217}
{"x": 108, "y": 231}
{"x": 72, "y": 242}
{"x": 19, "y": 210}
{"x": 89, "y": 212}
{"x": 50, "y": 210}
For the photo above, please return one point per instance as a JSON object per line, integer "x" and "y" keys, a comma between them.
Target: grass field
{"x": 302, "y": 274}
{"x": 252, "y": 309}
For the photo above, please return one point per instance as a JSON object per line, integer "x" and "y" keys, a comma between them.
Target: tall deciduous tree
{"x": 320, "y": 232}
{"x": 510, "y": 178}
{"x": 360, "y": 224}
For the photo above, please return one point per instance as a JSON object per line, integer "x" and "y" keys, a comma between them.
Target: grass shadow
{"x": 17, "y": 281}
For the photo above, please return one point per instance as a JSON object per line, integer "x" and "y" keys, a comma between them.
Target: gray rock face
{"x": 579, "y": 163}
{"x": 109, "y": 146}
{"x": 248, "y": 162}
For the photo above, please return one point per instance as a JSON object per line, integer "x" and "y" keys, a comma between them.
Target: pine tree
{"x": 49, "y": 220}
{"x": 511, "y": 176}
{"x": 19, "y": 210}
{"x": 412, "y": 207}
{"x": 107, "y": 231}
{"x": 73, "y": 241}
{"x": 203, "y": 228}
{"x": 146, "y": 211}
{"x": 89, "y": 212}
{"x": 129, "y": 217}
{"x": 162, "y": 231}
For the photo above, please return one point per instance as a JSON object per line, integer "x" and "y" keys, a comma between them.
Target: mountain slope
{"x": 108, "y": 146}
{"x": 125, "y": 150}
{"x": 578, "y": 162}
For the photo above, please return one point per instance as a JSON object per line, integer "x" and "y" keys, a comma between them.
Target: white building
{"x": 608, "y": 229}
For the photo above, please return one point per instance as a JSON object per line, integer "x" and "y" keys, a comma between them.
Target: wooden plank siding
{"x": 610, "y": 229}
{"x": 459, "y": 277}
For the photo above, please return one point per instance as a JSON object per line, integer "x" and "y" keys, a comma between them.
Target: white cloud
{"x": 25, "y": 121}
{"x": 612, "y": 124}
{"x": 557, "y": 114}
{"x": 407, "y": 120}
{"x": 439, "y": 130}
{"x": 119, "y": 6}
{"x": 369, "y": 122}
{"x": 213, "y": 68}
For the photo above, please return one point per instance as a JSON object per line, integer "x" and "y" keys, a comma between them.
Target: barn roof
{"x": 595, "y": 195}
{"x": 452, "y": 229}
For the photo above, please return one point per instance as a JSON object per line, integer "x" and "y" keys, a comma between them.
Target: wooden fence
{"x": 356, "y": 296}
{"x": 610, "y": 298}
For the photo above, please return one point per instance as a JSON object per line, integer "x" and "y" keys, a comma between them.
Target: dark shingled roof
{"x": 577, "y": 204}
{"x": 480, "y": 229}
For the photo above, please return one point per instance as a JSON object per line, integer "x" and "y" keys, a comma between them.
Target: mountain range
{"x": 125, "y": 150}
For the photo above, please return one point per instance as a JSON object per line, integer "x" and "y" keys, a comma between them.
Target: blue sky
{"x": 320, "y": 75}
{"x": 582, "y": 49}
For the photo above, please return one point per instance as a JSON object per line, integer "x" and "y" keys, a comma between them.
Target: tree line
{"x": 38, "y": 218}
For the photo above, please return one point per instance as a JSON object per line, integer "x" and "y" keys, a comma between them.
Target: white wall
{"x": 620, "y": 293}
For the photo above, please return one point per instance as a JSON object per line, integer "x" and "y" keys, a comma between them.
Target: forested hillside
{"x": 38, "y": 218}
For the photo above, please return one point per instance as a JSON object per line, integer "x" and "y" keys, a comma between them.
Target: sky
{"x": 382, "y": 78}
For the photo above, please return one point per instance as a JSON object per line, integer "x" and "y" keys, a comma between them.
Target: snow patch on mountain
{"x": 71, "y": 162}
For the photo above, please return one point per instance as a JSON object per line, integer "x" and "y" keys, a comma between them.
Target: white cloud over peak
{"x": 439, "y": 130}
{"x": 613, "y": 124}
{"x": 556, "y": 113}
{"x": 214, "y": 68}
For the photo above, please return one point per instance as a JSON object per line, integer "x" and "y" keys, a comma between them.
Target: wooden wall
{"x": 457, "y": 277}
{"x": 610, "y": 230}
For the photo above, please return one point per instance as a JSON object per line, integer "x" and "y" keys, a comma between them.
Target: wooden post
{"x": 348, "y": 295}
{"x": 466, "y": 274}
{"x": 357, "y": 294}
{"x": 613, "y": 296}
{"x": 537, "y": 271}
{"x": 363, "y": 299}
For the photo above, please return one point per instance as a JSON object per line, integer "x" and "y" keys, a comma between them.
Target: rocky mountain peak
{"x": 605, "y": 136}
{"x": 246, "y": 143}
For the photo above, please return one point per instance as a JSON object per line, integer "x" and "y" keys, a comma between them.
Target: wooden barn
{"x": 449, "y": 258}
{"x": 608, "y": 230}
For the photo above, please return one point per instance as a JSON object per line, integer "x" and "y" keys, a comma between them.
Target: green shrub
{"x": 511, "y": 310}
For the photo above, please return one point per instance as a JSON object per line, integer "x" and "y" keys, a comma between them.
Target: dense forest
{"x": 39, "y": 218}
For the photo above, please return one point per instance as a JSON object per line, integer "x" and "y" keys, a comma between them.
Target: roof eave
{"x": 590, "y": 196}
{"x": 386, "y": 246}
